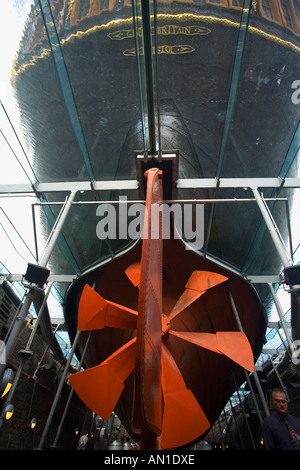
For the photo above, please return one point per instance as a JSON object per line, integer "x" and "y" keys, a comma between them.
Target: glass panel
{"x": 267, "y": 9}
{"x": 196, "y": 50}
{"x": 287, "y": 15}
{"x": 236, "y": 3}
{"x": 265, "y": 116}
{"x": 44, "y": 115}
{"x": 80, "y": 129}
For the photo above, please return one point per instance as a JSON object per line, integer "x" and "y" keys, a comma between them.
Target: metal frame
{"x": 123, "y": 185}
{"x": 211, "y": 183}
{"x": 58, "y": 186}
{"x": 32, "y": 289}
{"x": 255, "y": 279}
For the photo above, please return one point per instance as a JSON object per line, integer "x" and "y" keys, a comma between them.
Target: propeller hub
{"x": 165, "y": 324}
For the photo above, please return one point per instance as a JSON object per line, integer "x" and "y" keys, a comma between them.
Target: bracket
{"x": 167, "y": 162}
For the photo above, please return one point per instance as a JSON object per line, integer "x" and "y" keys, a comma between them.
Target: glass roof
{"x": 86, "y": 86}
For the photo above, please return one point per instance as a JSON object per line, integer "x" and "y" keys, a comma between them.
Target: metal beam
{"x": 52, "y": 278}
{"x": 264, "y": 279}
{"x": 211, "y": 183}
{"x": 67, "y": 186}
{"x": 119, "y": 185}
{"x": 280, "y": 248}
{"x": 270, "y": 351}
{"x": 255, "y": 279}
{"x": 277, "y": 325}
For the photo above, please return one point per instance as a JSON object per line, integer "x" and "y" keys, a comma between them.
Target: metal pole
{"x": 244, "y": 413}
{"x": 59, "y": 389}
{"x": 17, "y": 329}
{"x": 235, "y": 312}
{"x": 221, "y": 434}
{"x": 236, "y": 424}
{"x": 34, "y": 376}
{"x": 71, "y": 394}
{"x": 279, "y": 379}
{"x": 34, "y": 330}
{"x": 240, "y": 327}
{"x": 272, "y": 229}
{"x": 57, "y": 229}
{"x": 280, "y": 314}
{"x": 27, "y": 348}
{"x": 261, "y": 394}
{"x": 226, "y": 431}
{"x": 18, "y": 326}
{"x": 283, "y": 342}
{"x": 253, "y": 397}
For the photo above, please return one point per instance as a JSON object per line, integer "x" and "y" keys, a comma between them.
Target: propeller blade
{"x": 118, "y": 316}
{"x": 171, "y": 379}
{"x": 91, "y": 312}
{"x": 187, "y": 298}
{"x": 123, "y": 360}
{"x": 95, "y": 313}
{"x": 204, "y": 280}
{"x": 133, "y": 272}
{"x": 235, "y": 345}
{"x": 198, "y": 283}
{"x": 205, "y": 340}
{"x": 183, "y": 420}
{"x": 100, "y": 387}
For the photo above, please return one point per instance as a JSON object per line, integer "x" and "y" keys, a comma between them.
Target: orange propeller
{"x": 155, "y": 370}
{"x": 100, "y": 387}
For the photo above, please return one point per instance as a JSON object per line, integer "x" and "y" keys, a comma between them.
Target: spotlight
{"x": 292, "y": 276}
{"x": 33, "y": 423}
{"x": 37, "y": 274}
{"x": 9, "y": 411}
{"x": 29, "y": 319}
{"x": 6, "y": 382}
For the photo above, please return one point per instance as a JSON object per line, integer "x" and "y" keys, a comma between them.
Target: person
{"x": 281, "y": 431}
{"x": 82, "y": 443}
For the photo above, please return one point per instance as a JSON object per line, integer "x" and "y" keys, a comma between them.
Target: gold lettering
{"x": 121, "y": 34}
{"x": 165, "y": 30}
{"x": 178, "y": 49}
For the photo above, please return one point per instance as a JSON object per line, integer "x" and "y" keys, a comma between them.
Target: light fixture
{"x": 6, "y": 382}
{"x": 9, "y": 411}
{"x": 33, "y": 423}
{"x": 28, "y": 319}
